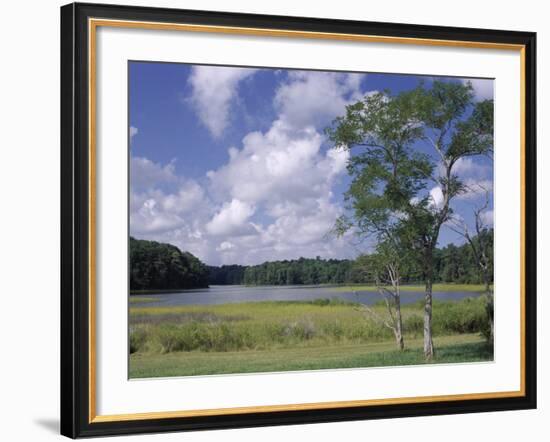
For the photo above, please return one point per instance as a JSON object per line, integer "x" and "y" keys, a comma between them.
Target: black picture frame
{"x": 75, "y": 221}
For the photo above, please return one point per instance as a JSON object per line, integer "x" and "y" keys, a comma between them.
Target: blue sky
{"x": 232, "y": 164}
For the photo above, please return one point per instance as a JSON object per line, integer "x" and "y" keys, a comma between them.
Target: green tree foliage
{"x": 458, "y": 264}
{"x": 452, "y": 264}
{"x": 299, "y": 271}
{"x": 149, "y": 263}
{"x": 226, "y": 274}
{"x": 158, "y": 266}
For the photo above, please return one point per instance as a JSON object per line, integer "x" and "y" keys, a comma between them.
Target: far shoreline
{"x": 437, "y": 287}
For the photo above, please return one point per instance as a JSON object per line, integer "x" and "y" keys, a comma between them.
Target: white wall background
{"x": 29, "y": 220}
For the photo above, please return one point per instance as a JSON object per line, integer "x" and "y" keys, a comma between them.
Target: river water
{"x": 223, "y": 294}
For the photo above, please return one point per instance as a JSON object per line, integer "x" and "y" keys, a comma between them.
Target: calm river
{"x": 223, "y": 294}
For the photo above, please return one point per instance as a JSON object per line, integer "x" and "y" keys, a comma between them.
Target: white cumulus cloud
{"x": 213, "y": 90}
{"x": 278, "y": 167}
{"x": 287, "y": 177}
{"x": 436, "y": 197}
{"x": 232, "y": 219}
{"x": 315, "y": 98}
{"x": 145, "y": 174}
{"x": 154, "y": 210}
{"x": 475, "y": 189}
{"x": 466, "y": 166}
{"x": 168, "y": 208}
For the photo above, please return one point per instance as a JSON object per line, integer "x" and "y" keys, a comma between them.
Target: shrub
{"x": 333, "y": 330}
{"x": 465, "y": 316}
{"x": 487, "y": 329}
{"x": 414, "y": 324}
{"x": 203, "y": 337}
{"x": 303, "y": 329}
{"x": 167, "y": 336}
{"x": 323, "y": 302}
{"x": 138, "y": 338}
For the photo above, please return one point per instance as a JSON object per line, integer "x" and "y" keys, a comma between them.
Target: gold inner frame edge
{"x": 93, "y": 24}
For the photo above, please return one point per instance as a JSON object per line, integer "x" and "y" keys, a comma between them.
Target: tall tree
{"x": 456, "y": 127}
{"x": 391, "y": 170}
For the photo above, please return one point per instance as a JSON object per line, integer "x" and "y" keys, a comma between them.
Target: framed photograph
{"x": 274, "y": 220}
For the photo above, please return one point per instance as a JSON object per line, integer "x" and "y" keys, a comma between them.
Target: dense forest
{"x": 156, "y": 266}
{"x": 455, "y": 264}
{"x": 226, "y": 274}
{"x": 299, "y": 271}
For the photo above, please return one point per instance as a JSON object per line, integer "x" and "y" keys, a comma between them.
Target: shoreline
{"x": 337, "y": 288}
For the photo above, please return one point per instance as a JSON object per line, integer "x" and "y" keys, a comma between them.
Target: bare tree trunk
{"x": 490, "y": 303}
{"x": 486, "y": 281}
{"x": 428, "y": 340}
{"x": 392, "y": 298}
{"x": 399, "y": 324}
{"x": 490, "y": 312}
{"x": 395, "y": 276}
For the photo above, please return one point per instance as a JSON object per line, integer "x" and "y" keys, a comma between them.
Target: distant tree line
{"x": 157, "y": 266}
{"x": 452, "y": 263}
{"x": 299, "y": 271}
{"x": 458, "y": 264}
{"x": 226, "y": 275}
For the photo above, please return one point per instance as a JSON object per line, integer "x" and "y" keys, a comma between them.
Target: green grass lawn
{"x": 449, "y": 349}
{"x": 417, "y": 288}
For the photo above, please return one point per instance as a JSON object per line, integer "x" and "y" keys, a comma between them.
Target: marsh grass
{"x": 137, "y": 300}
{"x": 439, "y": 287}
{"x": 183, "y": 317}
{"x": 271, "y": 325}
